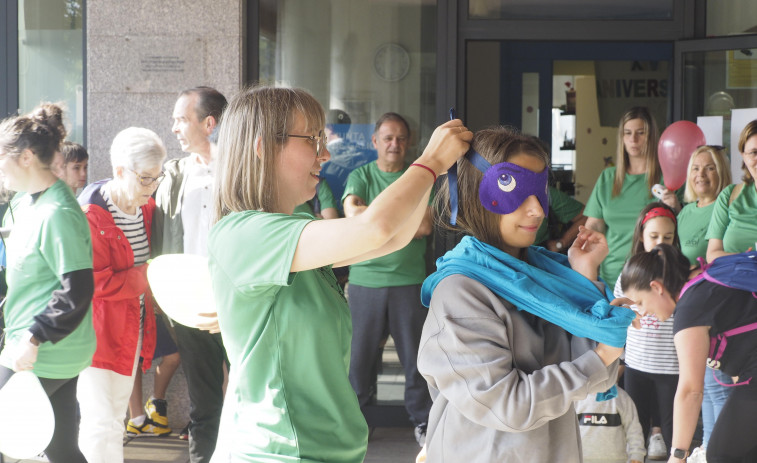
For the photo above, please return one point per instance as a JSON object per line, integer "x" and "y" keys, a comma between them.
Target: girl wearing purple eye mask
{"x": 500, "y": 348}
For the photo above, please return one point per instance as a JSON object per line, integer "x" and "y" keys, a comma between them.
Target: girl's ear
{"x": 656, "y": 287}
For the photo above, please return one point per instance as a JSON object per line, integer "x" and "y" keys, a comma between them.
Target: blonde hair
{"x": 650, "y": 150}
{"x": 254, "y": 128}
{"x": 496, "y": 145}
{"x": 749, "y": 131}
{"x": 721, "y": 166}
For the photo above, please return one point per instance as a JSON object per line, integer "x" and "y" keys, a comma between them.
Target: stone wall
{"x": 142, "y": 53}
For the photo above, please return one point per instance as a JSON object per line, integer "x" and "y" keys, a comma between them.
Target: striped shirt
{"x": 133, "y": 227}
{"x": 651, "y": 348}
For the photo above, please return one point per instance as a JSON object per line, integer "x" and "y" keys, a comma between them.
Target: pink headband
{"x": 658, "y": 212}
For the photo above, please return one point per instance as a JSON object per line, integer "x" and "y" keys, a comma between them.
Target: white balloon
{"x": 181, "y": 285}
{"x": 27, "y": 421}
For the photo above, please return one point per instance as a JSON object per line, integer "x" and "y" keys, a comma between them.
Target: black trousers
{"x": 64, "y": 445}
{"x": 202, "y": 358}
{"x": 734, "y": 437}
{"x": 647, "y": 389}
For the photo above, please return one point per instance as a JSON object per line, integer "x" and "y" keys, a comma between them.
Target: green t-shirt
{"x": 735, "y": 224}
{"x": 562, "y": 207}
{"x": 403, "y": 267}
{"x": 288, "y": 337}
{"x": 693, "y": 222}
{"x": 619, "y": 214}
{"x": 48, "y": 239}
{"x": 325, "y": 197}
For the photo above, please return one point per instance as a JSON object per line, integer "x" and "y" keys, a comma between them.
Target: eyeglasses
{"x": 320, "y": 141}
{"x": 752, "y": 153}
{"x": 147, "y": 181}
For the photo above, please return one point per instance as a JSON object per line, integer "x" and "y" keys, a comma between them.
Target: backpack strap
{"x": 718, "y": 344}
{"x": 735, "y": 192}
{"x": 697, "y": 279}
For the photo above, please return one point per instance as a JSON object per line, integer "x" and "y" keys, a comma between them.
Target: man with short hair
{"x": 384, "y": 293}
{"x": 180, "y": 225}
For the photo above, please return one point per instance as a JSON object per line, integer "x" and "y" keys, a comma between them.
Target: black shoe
{"x": 184, "y": 434}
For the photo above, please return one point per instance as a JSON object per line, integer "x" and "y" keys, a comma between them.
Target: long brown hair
{"x": 496, "y": 145}
{"x": 253, "y": 131}
{"x": 664, "y": 263}
{"x": 650, "y": 150}
{"x": 41, "y": 132}
{"x": 637, "y": 243}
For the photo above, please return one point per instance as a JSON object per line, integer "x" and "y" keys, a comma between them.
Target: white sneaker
{"x": 656, "y": 448}
{"x": 699, "y": 455}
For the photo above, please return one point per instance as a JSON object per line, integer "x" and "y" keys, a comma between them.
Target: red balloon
{"x": 676, "y": 145}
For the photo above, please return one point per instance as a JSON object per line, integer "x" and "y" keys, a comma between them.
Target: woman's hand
{"x": 24, "y": 353}
{"x": 449, "y": 142}
{"x": 587, "y": 252}
{"x": 211, "y": 324}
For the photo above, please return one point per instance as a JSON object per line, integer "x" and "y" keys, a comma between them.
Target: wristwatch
{"x": 678, "y": 453}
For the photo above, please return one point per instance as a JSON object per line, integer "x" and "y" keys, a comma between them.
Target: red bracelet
{"x": 427, "y": 168}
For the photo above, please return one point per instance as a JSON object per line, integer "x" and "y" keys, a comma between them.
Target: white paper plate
{"x": 181, "y": 285}
{"x": 27, "y": 421}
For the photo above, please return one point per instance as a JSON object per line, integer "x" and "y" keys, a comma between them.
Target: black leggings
{"x": 647, "y": 389}
{"x": 64, "y": 446}
{"x": 734, "y": 437}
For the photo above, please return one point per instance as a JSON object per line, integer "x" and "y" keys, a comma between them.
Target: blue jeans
{"x": 714, "y": 398}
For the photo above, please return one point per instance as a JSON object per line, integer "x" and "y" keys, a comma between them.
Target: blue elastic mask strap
{"x": 481, "y": 164}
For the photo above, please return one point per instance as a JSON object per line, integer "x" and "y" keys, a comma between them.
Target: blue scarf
{"x": 546, "y": 286}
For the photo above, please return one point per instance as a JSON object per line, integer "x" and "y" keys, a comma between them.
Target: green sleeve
{"x": 325, "y": 195}
{"x": 563, "y": 206}
{"x": 65, "y": 241}
{"x": 720, "y": 218}
{"x": 357, "y": 184}
{"x": 600, "y": 194}
{"x": 255, "y": 249}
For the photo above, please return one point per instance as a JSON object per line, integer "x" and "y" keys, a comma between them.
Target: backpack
{"x": 737, "y": 271}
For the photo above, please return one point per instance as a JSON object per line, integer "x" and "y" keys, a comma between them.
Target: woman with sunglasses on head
{"x": 733, "y": 227}
{"x": 656, "y": 282}
{"x": 284, "y": 319}
{"x": 503, "y": 346}
{"x": 48, "y": 322}
{"x": 119, "y": 211}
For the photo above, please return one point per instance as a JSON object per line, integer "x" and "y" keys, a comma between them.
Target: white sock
{"x": 138, "y": 420}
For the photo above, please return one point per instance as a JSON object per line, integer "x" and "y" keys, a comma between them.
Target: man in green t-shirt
{"x": 384, "y": 293}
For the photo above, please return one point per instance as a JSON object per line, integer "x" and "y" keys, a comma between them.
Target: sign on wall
{"x": 624, "y": 84}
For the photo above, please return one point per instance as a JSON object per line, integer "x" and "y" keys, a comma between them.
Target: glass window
{"x": 714, "y": 84}
{"x": 50, "y": 58}
{"x": 731, "y": 17}
{"x": 640, "y": 10}
{"x": 359, "y": 56}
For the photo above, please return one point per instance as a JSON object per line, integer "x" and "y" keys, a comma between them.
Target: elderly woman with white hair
{"x": 119, "y": 212}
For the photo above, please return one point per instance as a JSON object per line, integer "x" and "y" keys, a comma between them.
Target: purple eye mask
{"x": 503, "y": 188}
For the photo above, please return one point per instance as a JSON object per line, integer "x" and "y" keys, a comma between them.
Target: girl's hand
{"x": 587, "y": 252}
{"x": 628, "y": 303}
{"x": 608, "y": 354}
{"x": 449, "y": 142}
{"x": 669, "y": 197}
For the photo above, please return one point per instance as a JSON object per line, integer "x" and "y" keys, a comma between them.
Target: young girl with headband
{"x": 496, "y": 348}
{"x": 651, "y": 372}
{"x": 654, "y": 281}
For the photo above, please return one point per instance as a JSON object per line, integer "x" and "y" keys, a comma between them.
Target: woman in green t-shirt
{"x": 285, "y": 323}
{"x": 733, "y": 227}
{"x": 48, "y": 324}
{"x": 622, "y": 191}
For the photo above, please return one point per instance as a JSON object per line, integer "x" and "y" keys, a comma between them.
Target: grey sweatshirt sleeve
{"x": 630, "y": 418}
{"x": 484, "y": 358}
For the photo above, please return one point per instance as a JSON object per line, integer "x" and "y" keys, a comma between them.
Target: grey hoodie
{"x": 503, "y": 381}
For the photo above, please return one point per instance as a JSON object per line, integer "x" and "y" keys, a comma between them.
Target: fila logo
{"x": 599, "y": 419}
{"x": 594, "y": 419}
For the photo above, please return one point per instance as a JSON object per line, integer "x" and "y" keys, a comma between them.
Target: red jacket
{"x": 118, "y": 285}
